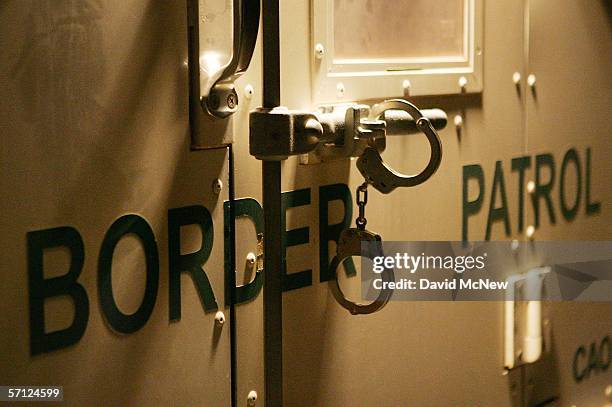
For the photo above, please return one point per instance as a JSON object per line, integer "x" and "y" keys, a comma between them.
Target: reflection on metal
{"x": 218, "y": 97}
{"x": 212, "y": 94}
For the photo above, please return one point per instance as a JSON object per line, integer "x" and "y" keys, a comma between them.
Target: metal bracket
{"x": 275, "y": 134}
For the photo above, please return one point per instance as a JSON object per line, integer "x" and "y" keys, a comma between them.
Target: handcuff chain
{"x": 362, "y": 201}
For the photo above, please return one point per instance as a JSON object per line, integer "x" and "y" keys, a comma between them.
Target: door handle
{"x": 218, "y": 96}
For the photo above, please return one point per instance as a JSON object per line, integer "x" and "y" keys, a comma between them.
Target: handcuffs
{"x": 385, "y": 179}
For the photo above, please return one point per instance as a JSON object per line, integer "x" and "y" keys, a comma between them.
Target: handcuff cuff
{"x": 385, "y": 179}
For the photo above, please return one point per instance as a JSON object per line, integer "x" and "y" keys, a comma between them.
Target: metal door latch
{"x": 346, "y": 131}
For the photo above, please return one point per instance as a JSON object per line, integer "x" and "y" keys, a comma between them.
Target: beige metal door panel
{"x": 94, "y": 121}
{"x": 95, "y": 126}
{"x": 569, "y": 107}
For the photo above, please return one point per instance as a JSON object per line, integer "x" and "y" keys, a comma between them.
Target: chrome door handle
{"x": 218, "y": 97}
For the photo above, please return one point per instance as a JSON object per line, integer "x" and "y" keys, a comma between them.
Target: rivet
{"x": 514, "y": 245}
{"x": 319, "y": 51}
{"x": 340, "y": 89}
{"x": 463, "y": 81}
{"x": 250, "y": 258}
{"x": 252, "y": 398}
{"x": 219, "y": 318}
{"x": 531, "y": 80}
{"x": 249, "y": 91}
{"x": 530, "y": 232}
{"x": 406, "y": 85}
{"x": 516, "y": 78}
{"x": 217, "y": 186}
{"x": 531, "y": 187}
{"x": 458, "y": 120}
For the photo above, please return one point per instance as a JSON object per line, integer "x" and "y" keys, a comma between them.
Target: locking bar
{"x": 271, "y": 185}
{"x": 347, "y": 128}
{"x": 401, "y": 123}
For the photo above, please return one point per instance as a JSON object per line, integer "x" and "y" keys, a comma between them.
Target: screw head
{"x": 531, "y": 187}
{"x": 319, "y": 51}
{"x": 530, "y": 232}
{"x": 340, "y": 89}
{"x": 219, "y": 318}
{"x": 531, "y": 80}
{"x": 249, "y": 91}
{"x": 217, "y": 186}
{"x": 232, "y": 101}
{"x": 458, "y": 121}
{"x": 250, "y": 258}
{"x": 514, "y": 245}
{"x": 406, "y": 85}
{"x": 252, "y": 398}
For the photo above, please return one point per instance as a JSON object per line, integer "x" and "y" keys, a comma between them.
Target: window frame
{"x": 337, "y": 81}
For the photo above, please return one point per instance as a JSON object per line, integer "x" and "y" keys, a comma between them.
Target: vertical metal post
{"x": 271, "y": 171}
{"x": 232, "y": 283}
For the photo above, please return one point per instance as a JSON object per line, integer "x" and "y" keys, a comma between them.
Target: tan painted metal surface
{"x": 94, "y": 125}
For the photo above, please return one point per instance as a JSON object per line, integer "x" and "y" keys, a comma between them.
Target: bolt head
{"x": 458, "y": 121}
{"x": 531, "y": 80}
{"x": 249, "y": 91}
{"x": 232, "y": 101}
{"x": 319, "y": 51}
{"x": 252, "y": 398}
{"x": 531, "y": 187}
{"x": 530, "y": 232}
{"x": 250, "y": 258}
{"x": 340, "y": 89}
{"x": 217, "y": 186}
{"x": 219, "y": 318}
{"x": 515, "y": 245}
